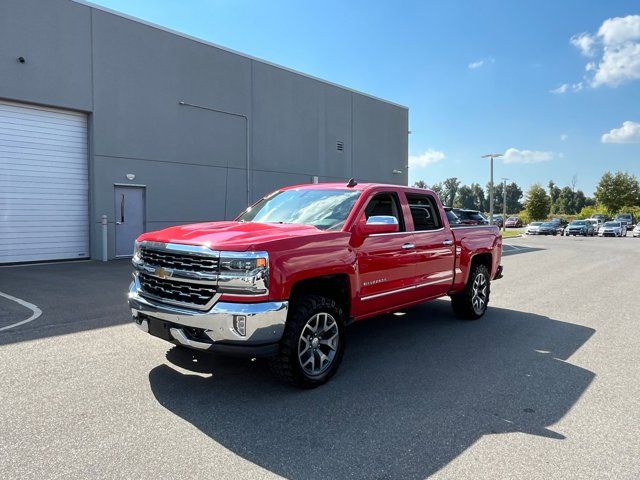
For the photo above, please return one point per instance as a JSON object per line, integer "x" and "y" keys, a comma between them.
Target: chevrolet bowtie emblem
{"x": 162, "y": 273}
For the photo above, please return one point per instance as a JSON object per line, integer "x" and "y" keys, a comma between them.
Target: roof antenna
{"x": 352, "y": 183}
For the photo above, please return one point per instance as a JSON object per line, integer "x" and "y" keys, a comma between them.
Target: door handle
{"x": 447, "y": 242}
{"x": 408, "y": 246}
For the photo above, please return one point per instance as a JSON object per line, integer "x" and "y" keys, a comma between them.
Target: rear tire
{"x": 313, "y": 342}
{"x": 472, "y": 302}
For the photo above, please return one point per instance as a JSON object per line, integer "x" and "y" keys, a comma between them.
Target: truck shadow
{"x": 413, "y": 393}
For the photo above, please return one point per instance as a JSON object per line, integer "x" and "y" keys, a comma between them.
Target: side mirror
{"x": 379, "y": 224}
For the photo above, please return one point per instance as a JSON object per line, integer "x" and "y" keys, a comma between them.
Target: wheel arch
{"x": 334, "y": 286}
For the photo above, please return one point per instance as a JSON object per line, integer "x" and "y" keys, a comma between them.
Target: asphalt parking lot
{"x": 546, "y": 385}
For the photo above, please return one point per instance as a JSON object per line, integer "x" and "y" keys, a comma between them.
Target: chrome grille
{"x": 188, "y": 294}
{"x": 179, "y": 261}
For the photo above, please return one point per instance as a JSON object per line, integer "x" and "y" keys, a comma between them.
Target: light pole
{"x": 504, "y": 203}
{"x": 491, "y": 156}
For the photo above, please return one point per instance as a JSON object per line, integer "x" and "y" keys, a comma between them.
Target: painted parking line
{"x": 36, "y": 311}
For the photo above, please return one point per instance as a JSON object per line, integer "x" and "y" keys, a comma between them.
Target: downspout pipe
{"x": 248, "y": 137}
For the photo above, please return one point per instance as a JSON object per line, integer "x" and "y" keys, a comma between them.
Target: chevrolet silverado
{"x": 288, "y": 274}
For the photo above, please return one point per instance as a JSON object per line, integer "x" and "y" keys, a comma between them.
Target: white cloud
{"x": 561, "y": 89}
{"x": 616, "y": 47}
{"x": 620, "y": 30}
{"x": 563, "y": 136}
{"x": 629, "y": 132}
{"x": 513, "y": 155}
{"x": 481, "y": 62}
{"x": 585, "y": 42}
{"x": 426, "y": 158}
{"x": 568, "y": 87}
{"x": 619, "y": 64}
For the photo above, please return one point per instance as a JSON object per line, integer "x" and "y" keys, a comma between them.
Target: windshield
{"x": 548, "y": 224}
{"x": 578, "y": 223}
{"x": 612, "y": 224}
{"x": 324, "y": 209}
{"x": 535, "y": 224}
{"x": 623, "y": 216}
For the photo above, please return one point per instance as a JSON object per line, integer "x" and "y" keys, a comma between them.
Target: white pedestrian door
{"x": 44, "y": 206}
{"x": 129, "y": 215}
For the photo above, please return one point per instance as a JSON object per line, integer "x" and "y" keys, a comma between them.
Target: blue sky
{"x": 478, "y": 77}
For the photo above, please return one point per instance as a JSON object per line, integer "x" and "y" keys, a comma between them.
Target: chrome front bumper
{"x": 263, "y": 322}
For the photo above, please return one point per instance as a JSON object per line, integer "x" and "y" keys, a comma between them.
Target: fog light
{"x": 240, "y": 324}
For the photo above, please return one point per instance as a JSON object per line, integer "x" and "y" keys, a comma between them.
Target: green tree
{"x": 615, "y": 191}
{"x": 478, "y": 196}
{"x": 439, "y": 189}
{"x": 450, "y": 189}
{"x": 465, "y": 198}
{"x": 498, "y": 197}
{"x": 420, "y": 184}
{"x": 579, "y": 201}
{"x": 537, "y": 203}
{"x": 589, "y": 211}
{"x": 564, "y": 203}
{"x": 554, "y": 193}
{"x": 514, "y": 194}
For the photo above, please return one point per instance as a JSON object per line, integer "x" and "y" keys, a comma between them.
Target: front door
{"x": 129, "y": 216}
{"x": 386, "y": 261}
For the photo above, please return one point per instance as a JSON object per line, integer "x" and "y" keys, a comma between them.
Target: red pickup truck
{"x": 286, "y": 276}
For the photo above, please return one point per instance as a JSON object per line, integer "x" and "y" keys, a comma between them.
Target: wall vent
{"x": 340, "y": 146}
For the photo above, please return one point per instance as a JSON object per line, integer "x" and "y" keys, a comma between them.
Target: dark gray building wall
{"x": 130, "y": 77}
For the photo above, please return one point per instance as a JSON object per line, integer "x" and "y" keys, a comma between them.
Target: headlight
{"x": 244, "y": 273}
{"x": 136, "y": 253}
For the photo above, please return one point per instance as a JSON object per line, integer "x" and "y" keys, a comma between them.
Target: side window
{"x": 424, "y": 211}
{"x": 385, "y": 204}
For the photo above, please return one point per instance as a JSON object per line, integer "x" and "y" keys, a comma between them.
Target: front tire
{"x": 313, "y": 343}
{"x": 472, "y": 302}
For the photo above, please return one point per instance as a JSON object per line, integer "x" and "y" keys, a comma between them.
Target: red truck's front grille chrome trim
{"x": 180, "y": 261}
{"x": 188, "y": 295}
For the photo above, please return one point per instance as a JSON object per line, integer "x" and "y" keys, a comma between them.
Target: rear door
{"x": 434, "y": 246}
{"x": 385, "y": 261}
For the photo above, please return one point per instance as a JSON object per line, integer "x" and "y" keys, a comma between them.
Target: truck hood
{"x": 229, "y": 235}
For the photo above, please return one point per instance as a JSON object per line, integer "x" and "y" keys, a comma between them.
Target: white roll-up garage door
{"x": 43, "y": 184}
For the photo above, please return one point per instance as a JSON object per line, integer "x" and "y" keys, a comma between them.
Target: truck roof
{"x": 358, "y": 187}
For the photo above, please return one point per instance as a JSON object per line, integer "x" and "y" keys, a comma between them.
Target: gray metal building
{"x": 102, "y": 114}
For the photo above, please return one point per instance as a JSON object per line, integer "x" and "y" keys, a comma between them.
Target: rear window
{"x": 424, "y": 212}
{"x": 452, "y": 217}
{"x": 477, "y": 216}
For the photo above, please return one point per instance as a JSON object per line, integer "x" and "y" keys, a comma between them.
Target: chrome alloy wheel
{"x": 318, "y": 344}
{"x": 479, "y": 297}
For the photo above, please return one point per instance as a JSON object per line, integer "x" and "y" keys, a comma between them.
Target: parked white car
{"x": 597, "y": 223}
{"x": 636, "y": 231}
{"x": 532, "y": 228}
{"x": 613, "y": 229}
